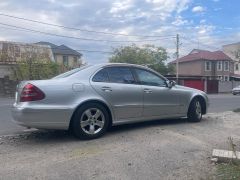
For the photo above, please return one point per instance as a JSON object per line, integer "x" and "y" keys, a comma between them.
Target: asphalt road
{"x": 218, "y": 103}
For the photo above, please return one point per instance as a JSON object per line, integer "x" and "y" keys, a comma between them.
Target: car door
{"x": 159, "y": 100}
{"x": 117, "y": 86}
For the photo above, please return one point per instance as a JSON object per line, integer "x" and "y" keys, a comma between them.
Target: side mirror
{"x": 171, "y": 83}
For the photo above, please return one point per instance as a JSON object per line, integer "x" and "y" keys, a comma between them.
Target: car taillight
{"x": 31, "y": 93}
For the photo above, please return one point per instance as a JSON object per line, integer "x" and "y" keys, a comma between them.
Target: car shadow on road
{"x": 59, "y": 136}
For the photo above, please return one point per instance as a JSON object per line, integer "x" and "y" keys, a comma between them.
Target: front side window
{"x": 208, "y": 66}
{"x": 120, "y": 75}
{"x": 226, "y": 66}
{"x": 148, "y": 78}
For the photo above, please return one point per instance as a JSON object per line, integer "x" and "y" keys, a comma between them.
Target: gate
{"x": 212, "y": 86}
{"x": 194, "y": 83}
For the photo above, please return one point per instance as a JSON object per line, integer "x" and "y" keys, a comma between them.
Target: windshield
{"x": 69, "y": 73}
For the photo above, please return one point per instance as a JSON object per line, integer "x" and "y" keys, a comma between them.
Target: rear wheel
{"x": 195, "y": 111}
{"x": 90, "y": 121}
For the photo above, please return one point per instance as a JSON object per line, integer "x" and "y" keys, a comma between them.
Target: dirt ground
{"x": 169, "y": 149}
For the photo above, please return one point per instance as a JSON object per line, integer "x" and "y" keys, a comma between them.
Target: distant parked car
{"x": 236, "y": 90}
{"x": 90, "y": 99}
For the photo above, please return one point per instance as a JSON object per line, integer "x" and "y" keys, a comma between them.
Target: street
{"x": 218, "y": 103}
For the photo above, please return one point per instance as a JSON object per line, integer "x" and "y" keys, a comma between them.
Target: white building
{"x": 233, "y": 51}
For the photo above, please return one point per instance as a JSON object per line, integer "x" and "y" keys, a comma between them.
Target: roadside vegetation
{"x": 148, "y": 55}
{"x": 228, "y": 171}
{"x": 231, "y": 169}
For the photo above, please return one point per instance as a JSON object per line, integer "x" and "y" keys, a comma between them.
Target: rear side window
{"x": 101, "y": 76}
{"x": 115, "y": 75}
{"x": 120, "y": 75}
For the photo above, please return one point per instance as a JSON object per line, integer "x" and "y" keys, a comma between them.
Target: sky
{"x": 98, "y": 26}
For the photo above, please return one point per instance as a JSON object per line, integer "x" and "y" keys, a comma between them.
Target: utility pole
{"x": 177, "y": 55}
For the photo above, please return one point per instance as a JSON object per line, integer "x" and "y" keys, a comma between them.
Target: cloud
{"x": 198, "y": 9}
{"x": 164, "y": 18}
{"x": 121, "y": 5}
{"x": 170, "y": 5}
{"x": 179, "y": 21}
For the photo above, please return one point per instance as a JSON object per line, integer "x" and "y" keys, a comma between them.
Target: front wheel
{"x": 195, "y": 111}
{"x": 90, "y": 121}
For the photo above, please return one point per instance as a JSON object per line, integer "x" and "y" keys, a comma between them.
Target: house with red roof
{"x": 208, "y": 64}
{"x": 201, "y": 69}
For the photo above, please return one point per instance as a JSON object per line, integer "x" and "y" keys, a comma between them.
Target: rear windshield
{"x": 69, "y": 73}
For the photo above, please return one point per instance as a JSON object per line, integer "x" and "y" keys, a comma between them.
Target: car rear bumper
{"x": 42, "y": 117}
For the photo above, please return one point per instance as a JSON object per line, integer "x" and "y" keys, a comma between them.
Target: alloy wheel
{"x": 92, "y": 121}
{"x": 198, "y": 110}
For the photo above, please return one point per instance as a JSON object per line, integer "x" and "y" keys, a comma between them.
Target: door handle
{"x": 106, "y": 89}
{"x": 147, "y": 91}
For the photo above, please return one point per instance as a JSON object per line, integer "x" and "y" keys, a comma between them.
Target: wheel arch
{"x": 92, "y": 101}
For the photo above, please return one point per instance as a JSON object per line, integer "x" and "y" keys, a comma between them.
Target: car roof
{"x": 123, "y": 64}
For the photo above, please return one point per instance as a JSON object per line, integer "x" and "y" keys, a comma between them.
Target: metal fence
{"x": 227, "y": 86}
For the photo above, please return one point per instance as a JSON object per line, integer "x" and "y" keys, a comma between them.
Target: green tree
{"x": 149, "y": 55}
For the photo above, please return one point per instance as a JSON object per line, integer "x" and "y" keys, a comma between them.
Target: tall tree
{"x": 149, "y": 55}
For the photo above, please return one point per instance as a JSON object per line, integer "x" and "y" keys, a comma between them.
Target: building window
{"x": 236, "y": 67}
{"x": 226, "y": 66}
{"x": 65, "y": 60}
{"x": 219, "y": 65}
{"x": 226, "y": 78}
{"x": 208, "y": 66}
{"x": 75, "y": 60}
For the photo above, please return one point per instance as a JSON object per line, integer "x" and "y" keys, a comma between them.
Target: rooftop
{"x": 62, "y": 49}
{"x": 198, "y": 54}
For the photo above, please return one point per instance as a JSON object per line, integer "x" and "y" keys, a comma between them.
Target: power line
{"x": 208, "y": 46}
{"x": 79, "y": 38}
{"x": 63, "y": 49}
{"x": 78, "y": 29}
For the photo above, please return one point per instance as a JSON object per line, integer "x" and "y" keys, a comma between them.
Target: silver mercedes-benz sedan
{"x": 90, "y": 99}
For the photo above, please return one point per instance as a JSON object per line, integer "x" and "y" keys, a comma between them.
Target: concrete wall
{"x": 227, "y": 86}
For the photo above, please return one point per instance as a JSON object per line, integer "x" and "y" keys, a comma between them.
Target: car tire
{"x": 90, "y": 121}
{"x": 195, "y": 111}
